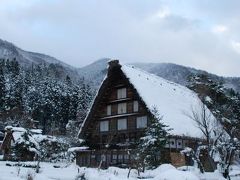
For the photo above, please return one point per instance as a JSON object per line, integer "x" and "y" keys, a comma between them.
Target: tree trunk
{"x": 129, "y": 172}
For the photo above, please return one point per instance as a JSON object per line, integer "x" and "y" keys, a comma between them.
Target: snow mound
{"x": 71, "y": 171}
{"x": 169, "y": 172}
{"x": 173, "y": 174}
{"x": 164, "y": 168}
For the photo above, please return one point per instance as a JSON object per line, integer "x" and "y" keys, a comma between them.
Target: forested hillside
{"x": 38, "y": 95}
{"x": 39, "y": 88}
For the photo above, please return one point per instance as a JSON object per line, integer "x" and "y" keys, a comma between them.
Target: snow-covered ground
{"x": 71, "y": 172}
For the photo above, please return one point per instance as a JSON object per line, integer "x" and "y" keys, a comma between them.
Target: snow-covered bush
{"x": 27, "y": 145}
{"x": 51, "y": 147}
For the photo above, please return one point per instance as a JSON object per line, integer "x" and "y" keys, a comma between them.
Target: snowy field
{"x": 71, "y": 172}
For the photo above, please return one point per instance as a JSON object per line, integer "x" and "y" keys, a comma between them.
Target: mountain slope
{"x": 181, "y": 74}
{"x": 96, "y": 71}
{"x": 172, "y": 72}
{"x": 10, "y": 51}
{"x": 27, "y": 59}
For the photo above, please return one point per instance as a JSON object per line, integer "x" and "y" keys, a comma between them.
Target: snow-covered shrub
{"x": 27, "y": 145}
{"x": 187, "y": 151}
{"x": 51, "y": 148}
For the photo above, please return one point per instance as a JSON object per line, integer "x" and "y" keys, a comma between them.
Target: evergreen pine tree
{"x": 153, "y": 142}
{"x": 39, "y": 93}
{"x": 2, "y": 87}
{"x": 68, "y": 81}
{"x": 85, "y": 97}
{"x": 74, "y": 103}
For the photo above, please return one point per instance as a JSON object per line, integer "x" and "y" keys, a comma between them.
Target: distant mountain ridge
{"x": 26, "y": 59}
{"x": 55, "y": 93}
{"x": 10, "y": 51}
{"x": 95, "y": 72}
{"x": 180, "y": 74}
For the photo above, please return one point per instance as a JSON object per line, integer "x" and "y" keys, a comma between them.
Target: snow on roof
{"x": 75, "y": 149}
{"x": 36, "y": 131}
{"x": 18, "y": 138}
{"x": 16, "y": 129}
{"x": 171, "y": 100}
{"x": 18, "y": 133}
{"x": 21, "y": 129}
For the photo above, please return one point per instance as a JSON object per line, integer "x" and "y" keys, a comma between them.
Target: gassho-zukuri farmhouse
{"x": 120, "y": 111}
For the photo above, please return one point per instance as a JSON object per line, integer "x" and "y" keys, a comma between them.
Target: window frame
{"x": 179, "y": 143}
{"x": 135, "y": 106}
{"x": 140, "y": 118}
{"x": 172, "y": 143}
{"x": 125, "y": 123}
{"x": 106, "y": 125}
{"x": 122, "y": 93}
{"x": 122, "y": 108}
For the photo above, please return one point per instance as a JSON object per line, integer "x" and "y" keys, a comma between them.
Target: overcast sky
{"x": 204, "y": 34}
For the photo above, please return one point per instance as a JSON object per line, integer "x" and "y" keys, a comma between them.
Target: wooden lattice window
{"x": 122, "y": 93}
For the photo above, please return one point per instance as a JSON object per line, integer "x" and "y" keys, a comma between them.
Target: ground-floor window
{"x": 114, "y": 159}
{"x": 107, "y": 158}
{"x": 120, "y": 158}
{"x": 126, "y": 158}
{"x": 84, "y": 161}
{"x": 141, "y": 122}
{"x": 103, "y": 157}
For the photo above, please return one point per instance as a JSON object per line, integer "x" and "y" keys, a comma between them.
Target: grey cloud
{"x": 79, "y": 32}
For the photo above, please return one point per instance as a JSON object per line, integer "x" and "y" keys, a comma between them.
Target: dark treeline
{"x": 38, "y": 94}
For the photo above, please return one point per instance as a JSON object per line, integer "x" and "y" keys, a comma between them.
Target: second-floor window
{"x": 142, "y": 122}
{"x": 122, "y": 124}
{"x": 122, "y": 108}
{"x": 122, "y": 93}
{"x": 135, "y": 106}
{"x": 109, "y": 110}
{"x": 104, "y": 126}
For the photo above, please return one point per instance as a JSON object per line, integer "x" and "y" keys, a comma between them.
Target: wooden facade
{"x": 116, "y": 121}
{"x": 1, "y": 140}
{"x": 6, "y": 145}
